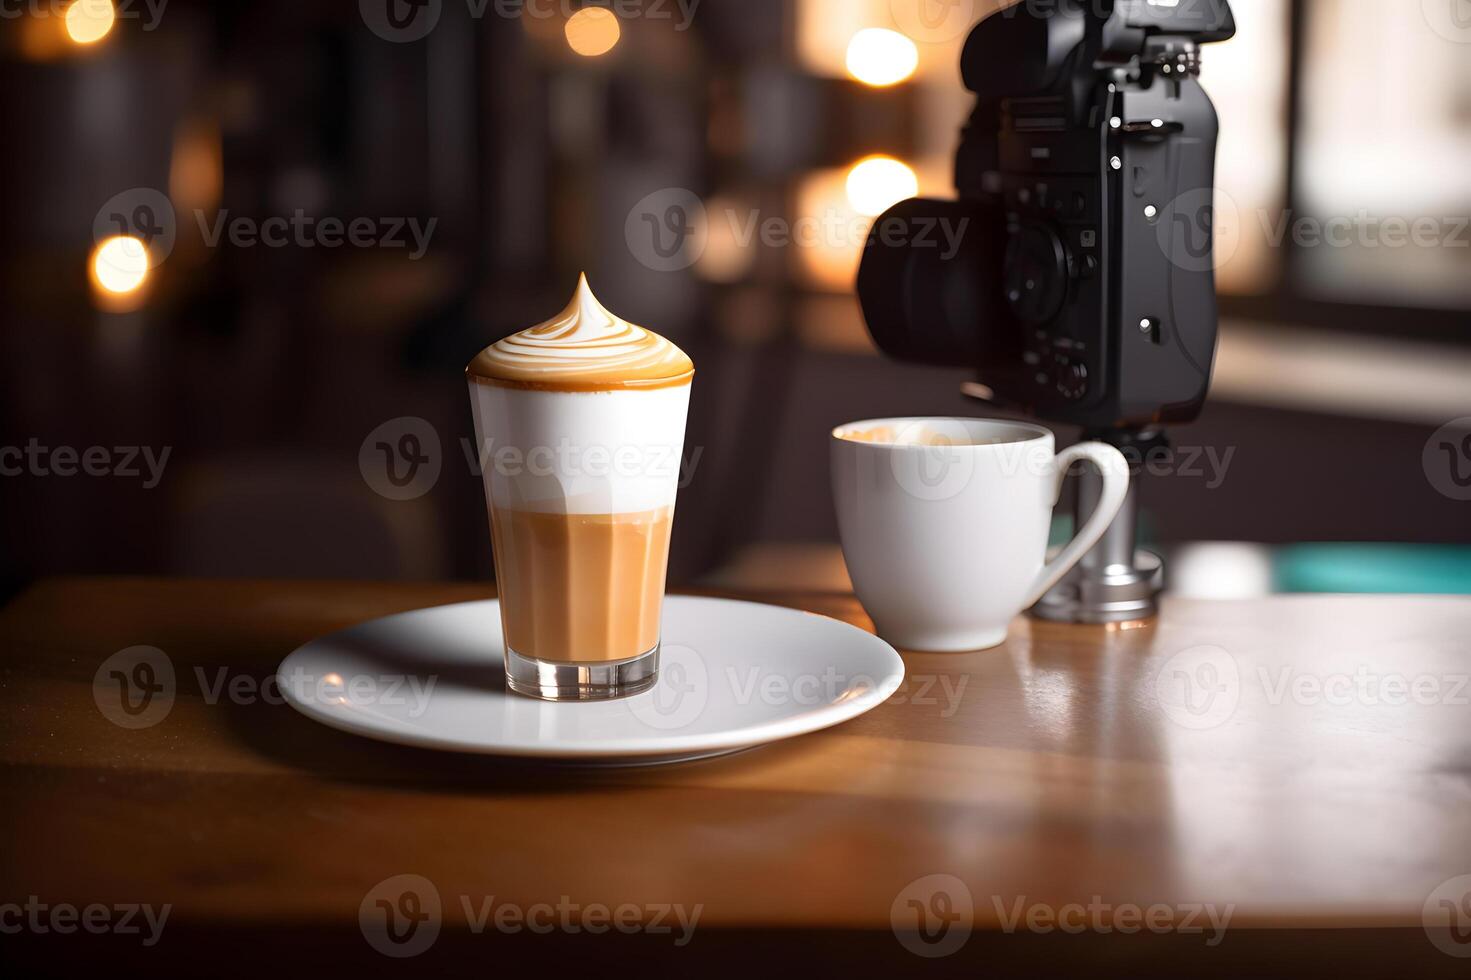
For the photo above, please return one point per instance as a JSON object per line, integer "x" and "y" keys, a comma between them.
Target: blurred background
{"x": 249, "y": 242}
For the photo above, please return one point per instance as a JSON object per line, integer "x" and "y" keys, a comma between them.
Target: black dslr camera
{"x": 1082, "y": 289}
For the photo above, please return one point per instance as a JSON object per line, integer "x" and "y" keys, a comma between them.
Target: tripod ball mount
{"x": 1114, "y": 582}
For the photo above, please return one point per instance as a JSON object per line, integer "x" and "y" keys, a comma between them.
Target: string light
{"x": 592, "y": 31}
{"x": 875, "y": 183}
{"x": 120, "y": 264}
{"x": 880, "y": 57}
{"x": 89, "y": 21}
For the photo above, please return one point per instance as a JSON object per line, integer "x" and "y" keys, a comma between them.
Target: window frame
{"x": 1285, "y": 303}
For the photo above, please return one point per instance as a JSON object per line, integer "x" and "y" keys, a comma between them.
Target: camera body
{"x": 1082, "y": 288}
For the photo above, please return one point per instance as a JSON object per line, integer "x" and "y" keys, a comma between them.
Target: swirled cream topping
{"x": 583, "y": 348}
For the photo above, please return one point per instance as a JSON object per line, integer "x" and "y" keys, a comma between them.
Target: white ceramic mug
{"x": 944, "y": 523}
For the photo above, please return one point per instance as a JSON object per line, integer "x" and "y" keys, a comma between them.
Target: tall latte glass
{"x": 580, "y": 426}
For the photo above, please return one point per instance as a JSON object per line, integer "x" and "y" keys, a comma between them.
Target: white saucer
{"x": 732, "y": 675}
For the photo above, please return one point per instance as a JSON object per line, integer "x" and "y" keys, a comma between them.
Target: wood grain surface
{"x": 1255, "y": 756}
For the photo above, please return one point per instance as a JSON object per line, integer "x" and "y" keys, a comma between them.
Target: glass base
{"x": 581, "y": 682}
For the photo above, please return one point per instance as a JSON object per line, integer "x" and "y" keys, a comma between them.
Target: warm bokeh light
{"x": 878, "y": 182}
{"x": 831, "y": 263}
{"x": 89, "y": 21}
{"x": 728, "y": 255}
{"x": 196, "y": 168}
{"x": 880, "y": 57}
{"x": 592, "y": 31}
{"x": 120, "y": 264}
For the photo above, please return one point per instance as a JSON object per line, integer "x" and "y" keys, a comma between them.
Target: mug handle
{"x": 1115, "y": 470}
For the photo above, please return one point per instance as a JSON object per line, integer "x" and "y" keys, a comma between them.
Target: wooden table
{"x": 1229, "y": 757}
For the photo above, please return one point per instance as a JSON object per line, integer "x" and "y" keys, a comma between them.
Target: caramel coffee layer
{"x": 581, "y": 588}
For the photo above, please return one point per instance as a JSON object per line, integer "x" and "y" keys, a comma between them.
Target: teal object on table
{"x": 1374, "y": 569}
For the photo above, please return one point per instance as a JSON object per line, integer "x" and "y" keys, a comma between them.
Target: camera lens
{"x": 930, "y": 280}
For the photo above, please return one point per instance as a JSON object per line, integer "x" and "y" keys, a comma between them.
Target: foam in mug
{"x": 580, "y": 422}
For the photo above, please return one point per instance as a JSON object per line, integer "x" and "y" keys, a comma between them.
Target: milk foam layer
{"x": 580, "y": 452}
{"x": 583, "y": 348}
